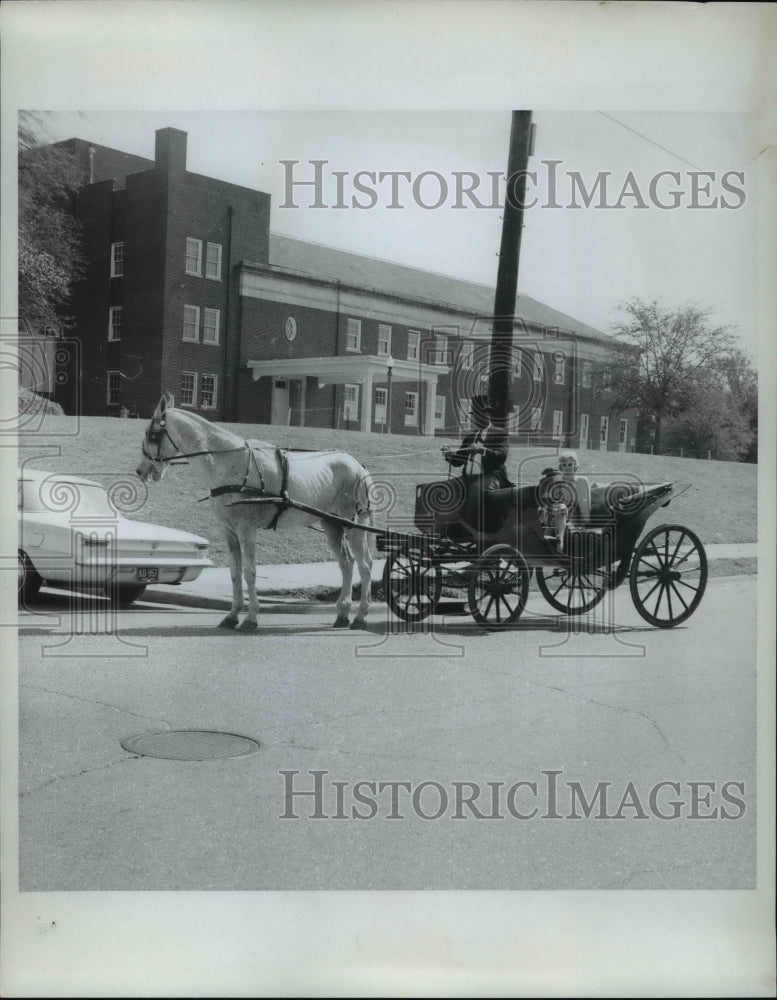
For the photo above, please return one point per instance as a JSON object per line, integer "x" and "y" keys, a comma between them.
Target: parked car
{"x": 71, "y": 535}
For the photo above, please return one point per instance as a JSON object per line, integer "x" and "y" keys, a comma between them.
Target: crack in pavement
{"x": 96, "y": 701}
{"x": 614, "y": 708}
{"x": 75, "y": 774}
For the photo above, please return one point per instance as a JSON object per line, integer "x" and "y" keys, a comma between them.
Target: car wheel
{"x": 29, "y": 579}
{"x": 126, "y": 594}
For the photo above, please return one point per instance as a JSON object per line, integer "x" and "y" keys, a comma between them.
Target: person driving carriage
{"x": 564, "y": 496}
{"x": 483, "y": 451}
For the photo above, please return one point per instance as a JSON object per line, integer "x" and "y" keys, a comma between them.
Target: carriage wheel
{"x": 412, "y": 587}
{"x": 668, "y": 575}
{"x": 498, "y": 587}
{"x": 573, "y": 591}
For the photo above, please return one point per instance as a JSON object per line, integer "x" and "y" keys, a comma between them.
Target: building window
{"x": 353, "y": 340}
{"x": 191, "y": 323}
{"x": 517, "y": 361}
{"x": 440, "y": 356}
{"x": 384, "y": 340}
{"x": 113, "y": 389}
{"x": 381, "y": 397}
{"x": 623, "y": 430}
{"x": 193, "y": 256}
{"x": 558, "y": 423}
{"x": 514, "y": 420}
{"x": 411, "y": 409}
{"x": 213, "y": 261}
{"x": 586, "y": 378}
{"x": 559, "y": 367}
{"x": 210, "y": 326}
{"x": 538, "y": 367}
{"x": 583, "y": 430}
{"x": 187, "y": 394}
{"x": 536, "y": 417}
{"x": 413, "y": 340}
{"x": 117, "y": 260}
{"x": 439, "y": 412}
{"x": 604, "y": 430}
{"x": 114, "y": 323}
{"x": 209, "y": 392}
{"x": 466, "y": 355}
{"x": 351, "y": 402}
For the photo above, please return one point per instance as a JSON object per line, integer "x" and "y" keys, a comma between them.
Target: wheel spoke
{"x": 644, "y": 597}
{"x": 658, "y": 600}
{"x": 678, "y": 595}
{"x": 676, "y": 548}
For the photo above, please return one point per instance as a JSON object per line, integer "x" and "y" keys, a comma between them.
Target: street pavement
{"x": 660, "y": 724}
{"x": 213, "y": 588}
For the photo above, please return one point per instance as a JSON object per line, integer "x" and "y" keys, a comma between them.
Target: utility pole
{"x": 501, "y": 356}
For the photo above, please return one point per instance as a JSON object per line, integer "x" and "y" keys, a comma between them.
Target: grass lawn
{"x": 720, "y": 504}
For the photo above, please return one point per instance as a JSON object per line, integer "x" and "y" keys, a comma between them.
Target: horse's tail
{"x": 364, "y": 491}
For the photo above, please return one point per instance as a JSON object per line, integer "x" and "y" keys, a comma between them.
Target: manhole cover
{"x": 189, "y": 744}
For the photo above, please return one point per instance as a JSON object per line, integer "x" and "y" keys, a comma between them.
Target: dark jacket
{"x": 495, "y": 442}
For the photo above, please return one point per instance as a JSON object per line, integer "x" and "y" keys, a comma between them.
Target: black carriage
{"x": 489, "y": 543}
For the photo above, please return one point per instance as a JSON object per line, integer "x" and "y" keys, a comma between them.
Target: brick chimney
{"x": 170, "y": 150}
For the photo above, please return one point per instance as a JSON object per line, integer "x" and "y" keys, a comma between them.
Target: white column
{"x": 431, "y": 392}
{"x": 366, "y": 403}
{"x": 303, "y": 385}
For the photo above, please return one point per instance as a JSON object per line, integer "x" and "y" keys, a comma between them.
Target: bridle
{"x": 157, "y": 432}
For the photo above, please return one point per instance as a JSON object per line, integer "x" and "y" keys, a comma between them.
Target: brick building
{"x": 188, "y": 291}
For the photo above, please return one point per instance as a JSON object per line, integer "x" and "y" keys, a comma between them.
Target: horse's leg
{"x": 339, "y": 545}
{"x": 233, "y": 544}
{"x": 247, "y": 537}
{"x": 362, "y": 549}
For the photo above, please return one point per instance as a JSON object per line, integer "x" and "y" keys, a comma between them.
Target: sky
{"x": 696, "y": 246}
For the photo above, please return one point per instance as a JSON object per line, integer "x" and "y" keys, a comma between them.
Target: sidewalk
{"x": 213, "y": 588}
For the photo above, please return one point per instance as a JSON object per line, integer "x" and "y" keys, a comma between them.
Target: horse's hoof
{"x": 359, "y": 623}
{"x": 228, "y": 622}
{"x": 248, "y": 626}
{"x": 341, "y": 622}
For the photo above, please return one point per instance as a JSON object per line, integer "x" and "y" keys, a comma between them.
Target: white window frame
{"x": 381, "y": 405}
{"x": 514, "y": 420}
{"x": 413, "y": 344}
{"x": 536, "y": 418}
{"x": 196, "y": 338}
{"x": 353, "y": 333}
{"x": 411, "y": 413}
{"x": 517, "y": 361}
{"x": 193, "y": 252}
{"x": 623, "y": 433}
{"x": 113, "y": 326}
{"x": 559, "y": 369}
{"x": 117, "y": 260}
{"x": 584, "y": 430}
{"x": 440, "y": 355}
{"x": 384, "y": 340}
{"x": 467, "y": 355}
{"x": 113, "y": 385}
{"x": 179, "y": 401}
{"x": 205, "y": 327}
{"x": 538, "y": 366}
{"x": 604, "y": 432}
{"x": 351, "y": 406}
{"x": 439, "y": 412}
{"x": 586, "y": 374}
{"x": 214, "y": 402}
{"x": 558, "y": 423}
{"x": 209, "y": 262}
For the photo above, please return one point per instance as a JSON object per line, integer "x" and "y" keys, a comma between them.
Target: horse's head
{"x": 157, "y": 446}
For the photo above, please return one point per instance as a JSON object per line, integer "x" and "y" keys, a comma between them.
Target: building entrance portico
{"x": 366, "y": 371}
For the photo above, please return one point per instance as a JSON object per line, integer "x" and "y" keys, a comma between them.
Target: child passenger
{"x": 576, "y": 503}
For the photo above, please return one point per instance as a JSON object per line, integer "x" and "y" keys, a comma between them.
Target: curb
{"x": 309, "y": 599}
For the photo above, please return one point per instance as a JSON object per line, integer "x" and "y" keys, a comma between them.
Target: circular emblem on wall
{"x": 290, "y": 328}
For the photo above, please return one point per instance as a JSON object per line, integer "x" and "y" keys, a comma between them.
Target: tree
{"x": 50, "y": 259}
{"x": 712, "y": 423}
{"x": 662, "y": 358}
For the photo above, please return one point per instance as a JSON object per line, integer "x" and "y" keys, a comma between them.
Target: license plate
{"x": 148, "y": 574}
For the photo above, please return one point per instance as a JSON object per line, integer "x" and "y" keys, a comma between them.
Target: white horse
{"x": 234, "y": 469}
